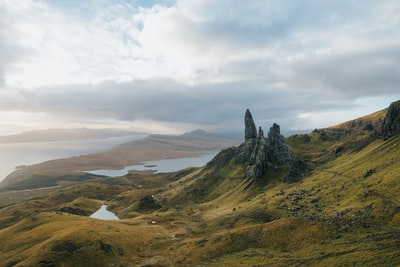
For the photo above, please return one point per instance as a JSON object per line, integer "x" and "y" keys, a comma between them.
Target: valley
{"x": 326, "y": 198}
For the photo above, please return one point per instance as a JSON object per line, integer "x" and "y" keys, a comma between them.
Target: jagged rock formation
{"x": 260, "y": 152}
{"x": 277, "y": 149}
{"x": 259, "y": 156}
{"x": 250, "y": 130}
{"x": 391, "y": 123}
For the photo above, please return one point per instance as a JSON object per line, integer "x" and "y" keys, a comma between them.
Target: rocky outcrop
{"x": 298, "y": 170}
{"x": 277, "y": 150}
{"x": 258, "y": 158}
{"x": 250, "y": 130}
{"x": 148, "y": 203}
{"x": 73, "y": 210}
{"x": 391, "y": 123}
{"x": 259, "y": 152}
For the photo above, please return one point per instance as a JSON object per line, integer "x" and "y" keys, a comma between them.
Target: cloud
{"x": 368, "y": 73}
{"x": 10, "y": 52}
{"x": 210, "y": 106}
{"x": 199, "y": 62}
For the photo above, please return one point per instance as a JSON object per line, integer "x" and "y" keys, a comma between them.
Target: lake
{"x": 17, "y": 154}
{"x": 164, "y": 165}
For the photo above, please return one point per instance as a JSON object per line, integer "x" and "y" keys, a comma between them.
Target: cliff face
{"x": 381, "y": 124}
{"x": 391, "y": 123}
{"x": 262, "y": 153}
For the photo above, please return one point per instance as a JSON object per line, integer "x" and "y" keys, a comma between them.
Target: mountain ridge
{"x": 51, "y": 135}
{"x": 342, "y": 209}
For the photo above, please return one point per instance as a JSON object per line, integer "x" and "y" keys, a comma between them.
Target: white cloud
{"x": 201, "y": 62}
{"x": 65, "y": 48}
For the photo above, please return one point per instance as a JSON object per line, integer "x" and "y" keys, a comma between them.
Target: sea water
{"x": 19, "y": 154}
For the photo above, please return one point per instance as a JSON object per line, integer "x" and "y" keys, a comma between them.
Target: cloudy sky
{"x": 177, "y": 65}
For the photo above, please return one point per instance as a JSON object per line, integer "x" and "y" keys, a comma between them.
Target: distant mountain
{"x": 153, "y": 147}
{"x": 197, "y": 140}
{"x": 285, "y": 131}
{"x": 51, "y": 135}
{"x": 325, "y": 198}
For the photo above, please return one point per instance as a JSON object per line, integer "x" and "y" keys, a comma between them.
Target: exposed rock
{"x": 306, "y": 138}
{"x": 277, "y": 150}
{"x": 360, "y": 126}
{"x": 245, "y": 151}
{"x": 73, "y": 210}
{"x": 106, "y": 248}
{"x": 369, "y": 173}
{"x": 391, "y": 123}
{"x": 250, "y": 130}
{"x": 297, "y": 171}
{"x": 258, "y": 152}
{"x": 148, "y": 203}
{"x": 260, "y": 155}
{"x": 67, "y": 246}
{"x": 260, "y": 132}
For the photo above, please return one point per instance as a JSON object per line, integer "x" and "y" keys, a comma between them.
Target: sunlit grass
{"x": 344, "y": 212}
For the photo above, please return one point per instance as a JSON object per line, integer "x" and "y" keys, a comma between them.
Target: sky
{"x": 171, "y": 66}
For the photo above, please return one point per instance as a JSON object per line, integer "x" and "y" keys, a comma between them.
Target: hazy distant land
{"x": 51, "y": 135}
{"x": 153, "y": 147}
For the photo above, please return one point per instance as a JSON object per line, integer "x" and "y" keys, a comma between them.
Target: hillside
{"x": 153, "y": 147}
{"x": 326, "y": 198}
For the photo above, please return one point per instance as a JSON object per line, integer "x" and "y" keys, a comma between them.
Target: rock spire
{"x": 277, "y": 151}
{"x": 250, "y": 130}
{"x": 260, "y": 152}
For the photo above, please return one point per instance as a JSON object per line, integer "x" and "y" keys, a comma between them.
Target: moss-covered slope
{"x": 343, "y": 211}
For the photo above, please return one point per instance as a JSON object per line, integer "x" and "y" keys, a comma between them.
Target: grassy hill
{"x": 344, "y": 210}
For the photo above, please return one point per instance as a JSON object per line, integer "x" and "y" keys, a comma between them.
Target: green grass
{"x": 214, "y": 216}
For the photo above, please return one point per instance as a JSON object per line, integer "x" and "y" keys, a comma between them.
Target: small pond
{"x": 104, "y": 214}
